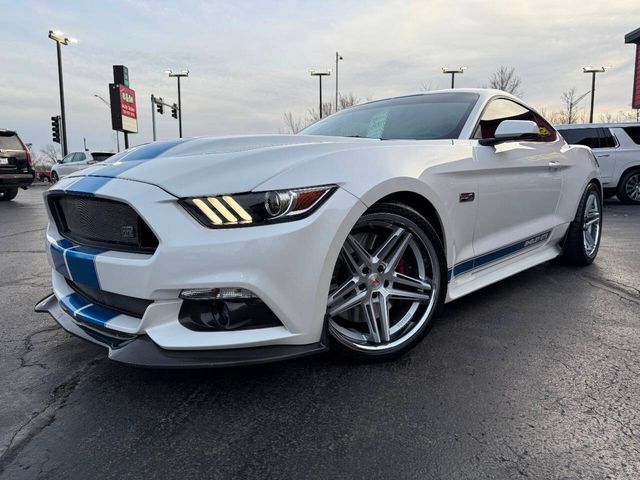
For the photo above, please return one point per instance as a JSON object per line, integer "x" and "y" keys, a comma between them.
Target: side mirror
{"x": 513, "y": 130}
{"x": 59, "y": 161}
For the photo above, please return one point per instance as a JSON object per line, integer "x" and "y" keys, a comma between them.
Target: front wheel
{"x": 583, "y": 237}
{"x": 54, "y": 177}
{"x": 387, "y": 286}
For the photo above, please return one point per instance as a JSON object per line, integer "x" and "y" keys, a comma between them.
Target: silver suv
{"x": 617, "y": 148}
{"x": 76, "y": 161}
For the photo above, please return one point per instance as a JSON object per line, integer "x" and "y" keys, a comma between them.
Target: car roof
{"x": 597, "y": 125}
{"x": 484, "y": 94}
{"x": 4, "y": 130}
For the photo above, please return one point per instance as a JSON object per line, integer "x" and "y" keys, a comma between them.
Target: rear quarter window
{"x": 634, "y": 133}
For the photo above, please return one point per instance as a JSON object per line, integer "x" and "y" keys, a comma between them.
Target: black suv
{"x": 15, "y": 165}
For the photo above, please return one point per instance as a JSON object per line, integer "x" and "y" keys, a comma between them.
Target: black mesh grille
{"x": 99, "y": 222}
{"x": 131, "y": 306}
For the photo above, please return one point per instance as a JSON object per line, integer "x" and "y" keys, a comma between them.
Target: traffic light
{"x": 159, "y": 106}
{"x": 174, "y": 110}
{"x": 55, "y": 128}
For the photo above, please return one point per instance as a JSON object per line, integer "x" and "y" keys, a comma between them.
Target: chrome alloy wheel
{"x": 632, "y": 187}
{"x": 385, "y": 284}
{"x": 591, "y": 224}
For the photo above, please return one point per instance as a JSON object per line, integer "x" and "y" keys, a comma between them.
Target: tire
{"x": 392, "y": 262}
{"x": 9, "y": 194}
{"x": 54, "y": 177}
{"x": 583, "y": 237}
{"x": 629, "y": 188}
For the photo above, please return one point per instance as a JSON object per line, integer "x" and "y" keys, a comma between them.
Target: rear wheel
{"x": 9, "y": 194}
{"x": 583, "y": 237}
{"x": 629, "y": 188}
{"x": 387, "y": 286}
{"x": 54, "y": 177}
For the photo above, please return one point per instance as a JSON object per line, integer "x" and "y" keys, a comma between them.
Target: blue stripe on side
{"x": 88, "y": 185}
{"x": 82, "y": 266}
{"x": 97, "y": 315}
{"x": 57, "y": 255}
{"x": 490, "y": 257}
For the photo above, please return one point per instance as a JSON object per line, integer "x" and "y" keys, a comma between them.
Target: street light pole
{"x": 452, "y": 72}
{"x": 593, "y": 72}
{"x": 338, "y": 58}
{"x": 178, "y": 75}
{"x": 320, "y": 75}
{"x": 60, "y": 39}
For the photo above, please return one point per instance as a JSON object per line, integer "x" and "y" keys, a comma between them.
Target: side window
{"x": 634, "y": 133}
{"x": 582, "y": 136}
{"x": 607, "y": 140}
{"x": 68, "y": 158}
{"x": 79, "y": 157}
{"x": 502, "y": 109}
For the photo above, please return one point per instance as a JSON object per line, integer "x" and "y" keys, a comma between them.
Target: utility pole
{"x": 338, "y": 58}
{"x": 178, "y": 75}
{"x": 452, "y": 72}
{"x": 320, "y": 75}
{"x": 593, "y": 72}
{"x": 58, "y": 37}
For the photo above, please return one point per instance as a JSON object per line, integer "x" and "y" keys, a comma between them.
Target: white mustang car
{"x": 349, "y": 236}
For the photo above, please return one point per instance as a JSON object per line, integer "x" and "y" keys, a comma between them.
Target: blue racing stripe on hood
{"x": 88, "y": 185}
{"x": 150, "y": 150}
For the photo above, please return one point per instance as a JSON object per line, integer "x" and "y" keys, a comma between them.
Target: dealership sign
{"x": 124, "y": 117}
{"x": 634, "y": 37}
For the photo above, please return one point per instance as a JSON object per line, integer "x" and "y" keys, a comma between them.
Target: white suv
{"x": 75, "y": 161}
{"x": 617, "y": 148}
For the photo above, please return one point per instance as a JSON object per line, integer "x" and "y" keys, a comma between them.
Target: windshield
{"x": 418, "y": 117}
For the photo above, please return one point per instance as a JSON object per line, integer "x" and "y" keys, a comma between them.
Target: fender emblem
{"x": 467, "y": 197}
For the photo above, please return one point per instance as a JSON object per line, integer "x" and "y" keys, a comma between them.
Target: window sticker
{"x": 376, "y": 124}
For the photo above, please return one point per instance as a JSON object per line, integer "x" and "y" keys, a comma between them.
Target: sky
{"x": 250, "y": 60}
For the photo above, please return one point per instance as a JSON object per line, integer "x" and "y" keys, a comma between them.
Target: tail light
{"x": 26, "y": 151}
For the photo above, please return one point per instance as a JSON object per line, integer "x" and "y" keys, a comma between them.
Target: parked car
{"x": 350, "y": 235}
{"x": 44, "y": 176}
{"x": 76, "y": 161}
{"x": 16, "y": 170}
{"x": 617, "y": 148}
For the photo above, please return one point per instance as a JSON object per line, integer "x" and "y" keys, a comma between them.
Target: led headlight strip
{"x": 257, "y": 208}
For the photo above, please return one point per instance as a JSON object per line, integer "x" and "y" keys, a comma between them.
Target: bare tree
{"x": 293, "y": 124}
{"x": 570, "y": 112}
{"x": 348, "y": 100}
{"x": 46, "y": 157}
{"x": 620, "y": 117}
{"x": 505, "y": 79}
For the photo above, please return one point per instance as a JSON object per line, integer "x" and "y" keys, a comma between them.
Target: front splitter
{"x": 140, "y": 350}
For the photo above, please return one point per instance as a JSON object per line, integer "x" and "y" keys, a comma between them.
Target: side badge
{"x": 467, "y": 197}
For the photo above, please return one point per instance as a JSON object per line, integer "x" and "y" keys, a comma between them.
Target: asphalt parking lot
{"x": 536, "y": 377}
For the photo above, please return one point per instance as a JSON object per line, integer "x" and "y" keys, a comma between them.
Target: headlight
{"x": 257, "y": 208}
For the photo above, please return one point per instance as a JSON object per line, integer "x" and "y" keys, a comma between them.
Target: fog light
{"x": 224, "y": 293}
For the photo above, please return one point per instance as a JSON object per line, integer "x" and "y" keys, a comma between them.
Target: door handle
{"x": 600, "y": 155}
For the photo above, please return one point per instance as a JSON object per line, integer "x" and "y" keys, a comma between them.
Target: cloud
{"x": 250, "y": 60}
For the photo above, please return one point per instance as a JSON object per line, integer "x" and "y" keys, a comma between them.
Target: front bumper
{"x": 141, "y": 351}
{"x": 14, "y": 180}
{"x": 287, "y": 266}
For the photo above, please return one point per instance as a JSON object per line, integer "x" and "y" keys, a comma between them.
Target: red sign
{"x": 636, "y": 80}
{"x": 124, "y": 115}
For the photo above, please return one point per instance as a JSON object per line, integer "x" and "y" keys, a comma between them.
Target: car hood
{"x": 216, "y": 165}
